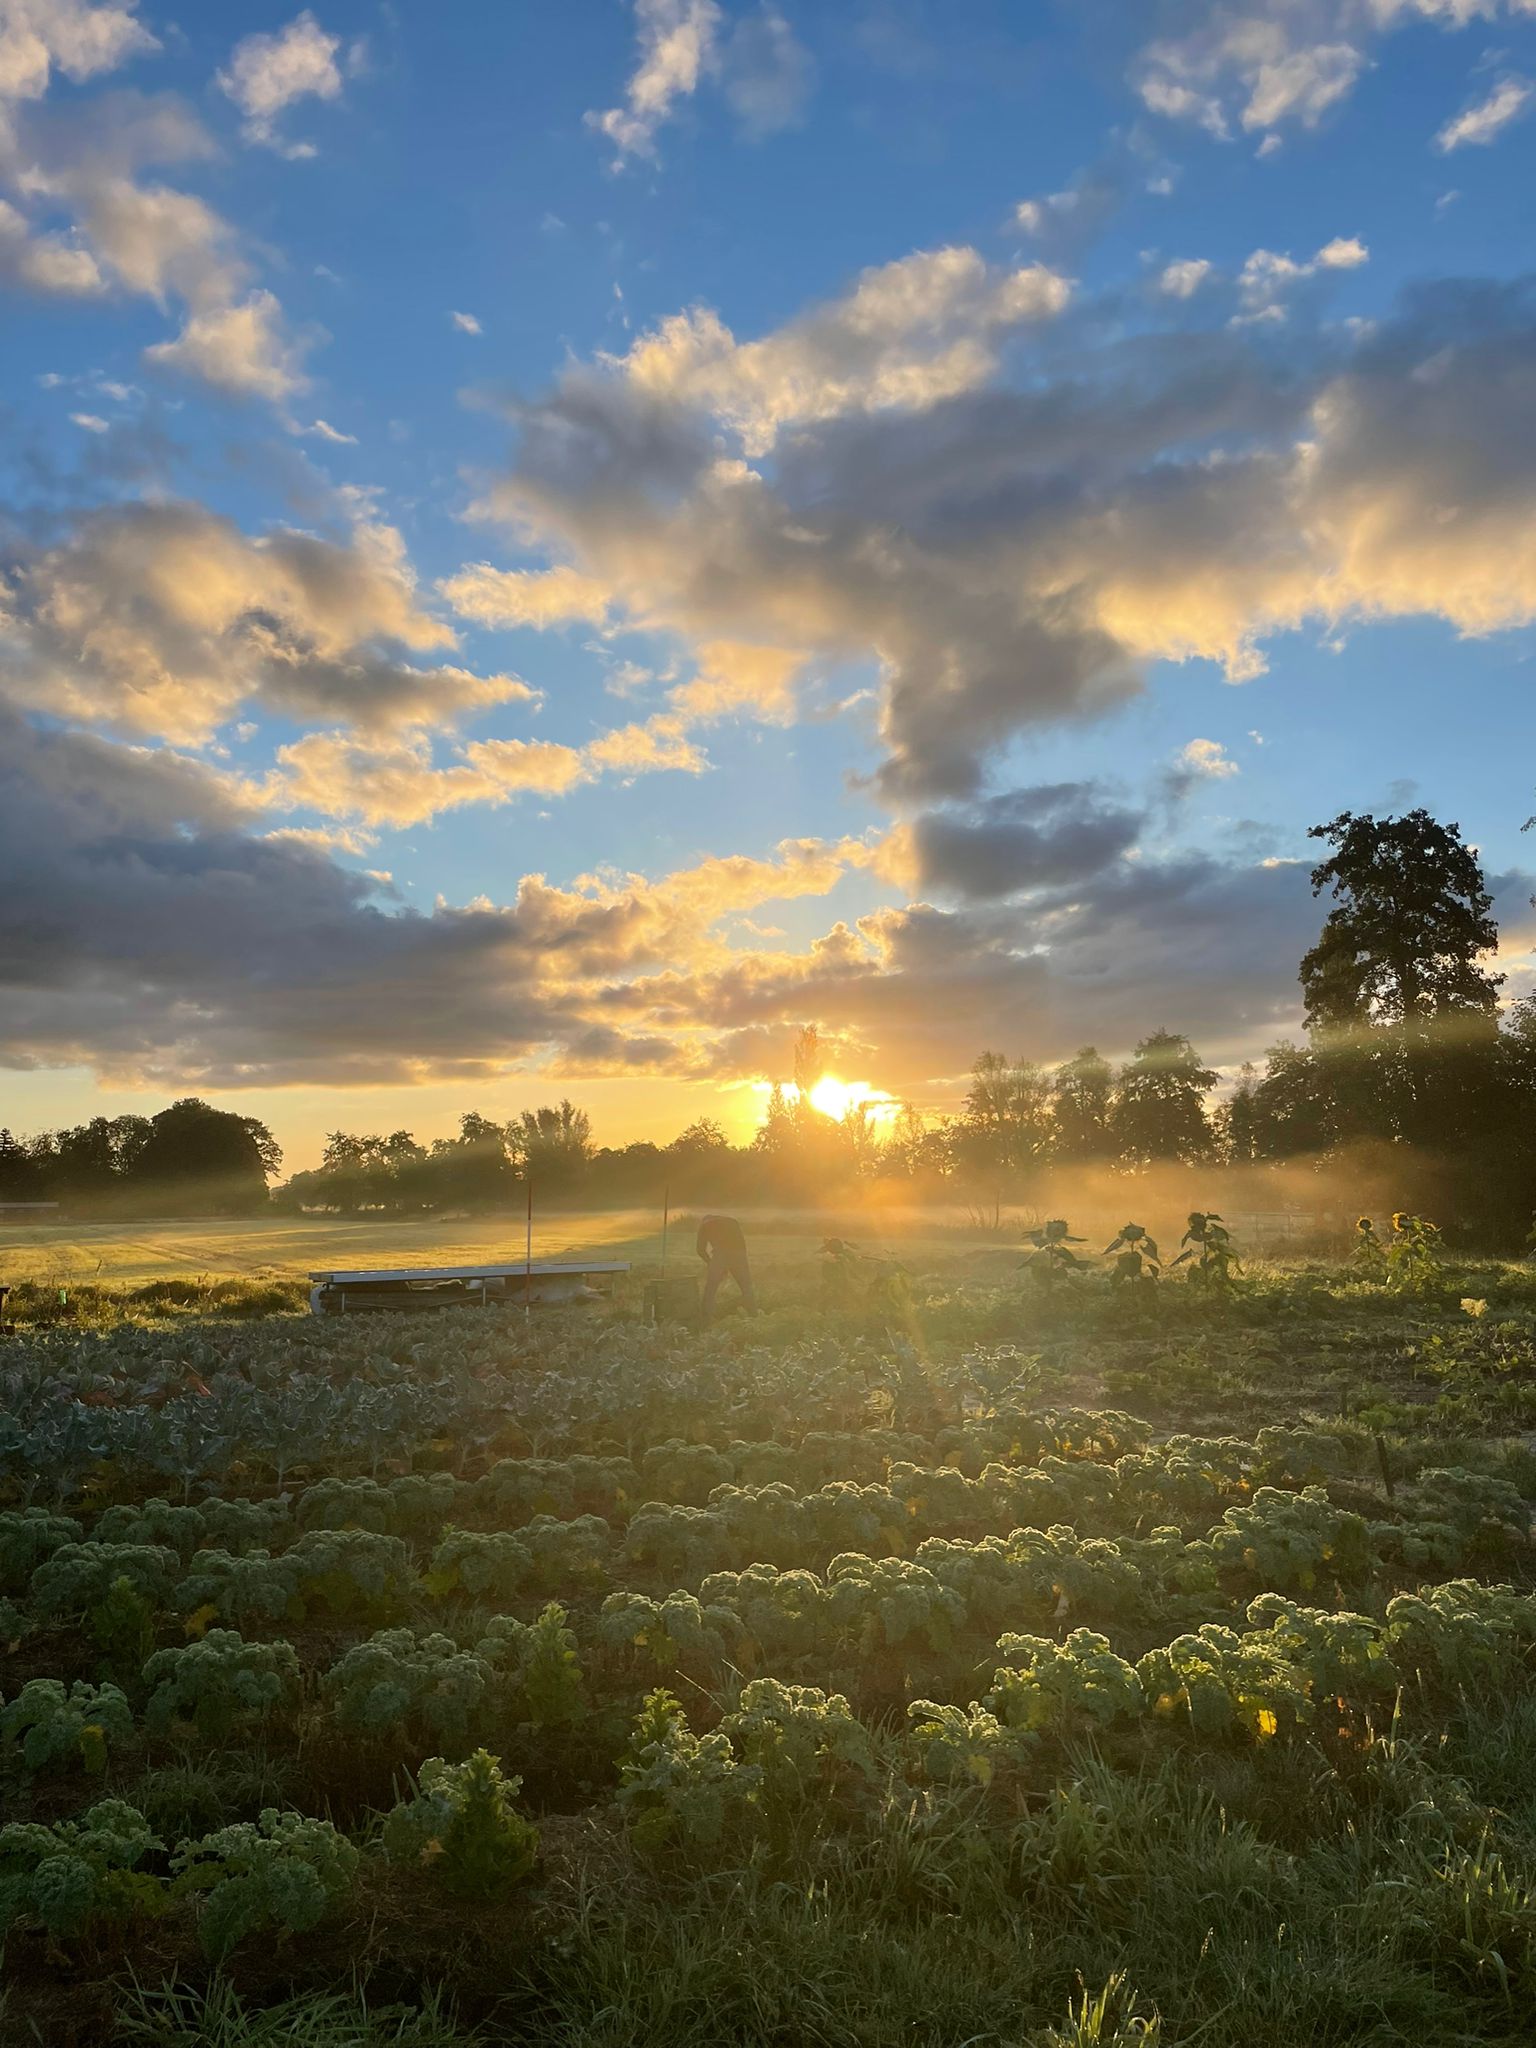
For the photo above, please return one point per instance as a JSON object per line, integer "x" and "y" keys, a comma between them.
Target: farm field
{"x": 1089, "y": 1653}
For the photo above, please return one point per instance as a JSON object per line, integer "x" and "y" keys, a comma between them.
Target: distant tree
{"x": 552, "y": 1145}
{"x": 810, "y": 1066}
{"x": 777, "y": 1136}
{"x": 702, "y": 1138}
{"x": 1291, "y": 1110}
{"x": 1082, "y": 1090}
{"x": 196, "y": 1158}
{"x": 1006, "y": 1120}
{"x": 1234, "y": 1123}
{"x": 1159, "y": 1110}
{"x": 23, "y": 1176}
{"x": 475, "y": 1170}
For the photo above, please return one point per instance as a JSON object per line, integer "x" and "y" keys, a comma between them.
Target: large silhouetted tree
{"x": 1409, "y": 925}
{"x": 1396, "y": 997}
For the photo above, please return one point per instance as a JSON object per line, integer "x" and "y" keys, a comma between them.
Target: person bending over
{"x": 723, "y": 1248}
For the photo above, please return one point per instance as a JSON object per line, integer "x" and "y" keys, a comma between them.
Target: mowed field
{"x": 181, "y": 1248}
{"x": 289, "y": 1247}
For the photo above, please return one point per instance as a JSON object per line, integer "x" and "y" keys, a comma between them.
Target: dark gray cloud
{"x": 1023, "y": 839}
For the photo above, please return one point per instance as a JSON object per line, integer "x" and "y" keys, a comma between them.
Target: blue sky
{"x": 545, "y": 547}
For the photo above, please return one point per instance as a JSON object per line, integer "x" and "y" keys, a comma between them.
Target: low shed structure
{"x": 527, "y": 1283}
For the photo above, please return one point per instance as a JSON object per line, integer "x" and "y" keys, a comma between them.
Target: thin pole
{"x": 666, "y": 1217}
{"x": 528, "y": 1258}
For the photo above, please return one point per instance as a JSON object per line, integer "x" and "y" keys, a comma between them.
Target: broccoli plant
{"x": 79, "y": 1576}
{"x": 400, "y": 1683}
{"x": 28, "y": 1539}
{"x": 1063, "y": 1688}
{"x": 62, "y": 1726}
{"x": 282, "y": 1873}
{"x": 675, "y": 1634}
{"x": 1461, "y": 1633}
{"x": 1338, "y": 1656}
{"x": 684, "y": 1473}
{"x": 800, "y": 1740}
{"x": 80, "y": 1876}
{"x": 1292, "y": 1542}
{"x": 182, "y": 1529}
{"x": 240, "y": 1589}
{"x": 542, "y": 1671}
{"x": 950, "y": 1744}
{"x": 545, "y": 1557}
{"x": 414, "y": 1506}
{"x": 220, "y": 1684}
{"x": 350, "y": 1571}
{"x": 1220, "y": 1684}
{"x": 464, "y": 1827}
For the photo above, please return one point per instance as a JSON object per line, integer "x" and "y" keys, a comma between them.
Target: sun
{"x": 836, "y": 1098}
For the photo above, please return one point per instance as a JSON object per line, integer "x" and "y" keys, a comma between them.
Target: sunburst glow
{"x": 836, "y": 1099}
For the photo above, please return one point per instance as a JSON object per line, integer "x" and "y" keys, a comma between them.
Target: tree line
{"x": 1407, "y": 1054}
{"x": 190, "y": 1159}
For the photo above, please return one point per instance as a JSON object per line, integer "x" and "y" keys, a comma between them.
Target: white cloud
{"x": 78, "y": 39}
{"x": 239, "y": 349}
{"x": 46, "y": 263}
{"x": 908, "y": 335}
{"x": 268, "y": 73}
{"x": 1268, "y": 275}
{"x": 678, "y": 45}
{"x": 147, "y": 238}
{"x": 1209, "y": 760}
{"x": 90, "y": 421}
{"x": 1260, "y": 65}
{"x": 466, "y": 323}
{"x": 322, "y": 430}
{"x": 524, "y": 597}
{"x": 1344, "y": 252}
{"x": 1181, "y": 280}
{"x": 1485, "y": 122}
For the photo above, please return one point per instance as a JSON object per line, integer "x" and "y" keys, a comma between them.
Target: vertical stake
{"x": 528, "y": 1257}
{"x": 666, "y": 1217}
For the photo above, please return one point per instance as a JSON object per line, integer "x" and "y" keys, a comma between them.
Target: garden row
{"x": 777, "y": 1752}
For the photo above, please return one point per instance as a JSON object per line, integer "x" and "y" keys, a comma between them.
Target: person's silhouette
{"x": 722, "y": 1246}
